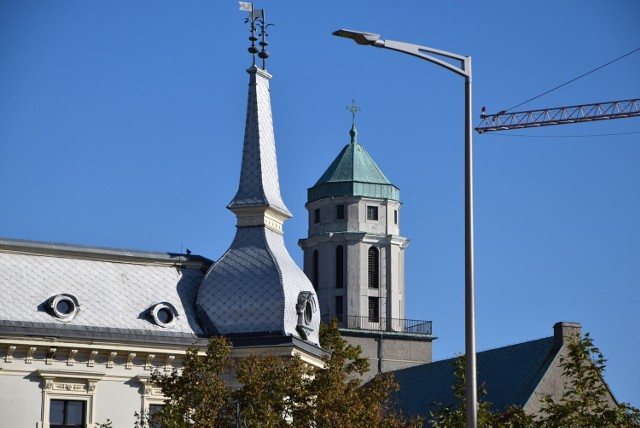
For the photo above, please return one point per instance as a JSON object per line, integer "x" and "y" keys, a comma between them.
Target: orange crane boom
{"x": 504, "y": 121}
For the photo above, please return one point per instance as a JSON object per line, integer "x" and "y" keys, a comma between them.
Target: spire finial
{"x": 353, "y": 108}
{"x": 256, "y": 21}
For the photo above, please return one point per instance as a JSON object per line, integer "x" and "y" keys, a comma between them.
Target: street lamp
{"x": 464, "y": 70}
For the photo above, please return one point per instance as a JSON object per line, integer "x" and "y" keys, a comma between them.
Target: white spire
{"x": 256, "y": 287}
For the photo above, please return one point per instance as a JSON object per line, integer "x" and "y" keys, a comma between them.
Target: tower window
{"x": 372, "y": 213}
{"x": 339, "y": 212}
{"x": 316, "y": 215}
{"x": 315, "y": 269}
{"x": 395, "y": 216}
{"x": 374, "y": 268}
{"x": 339, "y": 308}
{"x": 339, "y": 266}
{"x": 374, "y": 309}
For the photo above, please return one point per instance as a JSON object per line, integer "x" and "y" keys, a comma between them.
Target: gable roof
{"x": 510, "y": 375}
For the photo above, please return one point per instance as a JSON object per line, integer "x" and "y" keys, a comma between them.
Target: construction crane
{"x": 504, "y": 121}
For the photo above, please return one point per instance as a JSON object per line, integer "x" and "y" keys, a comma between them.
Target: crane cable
{"x": 573, "y": 80}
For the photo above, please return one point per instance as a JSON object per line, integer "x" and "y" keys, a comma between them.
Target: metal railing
{"x": 397, "y": 325}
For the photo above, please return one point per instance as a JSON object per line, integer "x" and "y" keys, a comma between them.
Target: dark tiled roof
{"x": 509, "y": 374}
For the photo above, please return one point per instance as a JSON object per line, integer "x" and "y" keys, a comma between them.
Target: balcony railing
{"x": 380, "y": 324}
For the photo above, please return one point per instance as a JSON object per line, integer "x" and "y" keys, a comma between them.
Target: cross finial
{"x": 353, "y": 108}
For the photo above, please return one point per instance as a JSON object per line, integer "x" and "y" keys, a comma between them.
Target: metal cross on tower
{"x": 353, "y": 108}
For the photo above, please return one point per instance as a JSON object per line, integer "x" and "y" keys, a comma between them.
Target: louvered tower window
{"x": 374, "y": 268}
{"x": 315, "y": 270}
{"x": 339, "y": 266}
{"x": 374, "y": 309}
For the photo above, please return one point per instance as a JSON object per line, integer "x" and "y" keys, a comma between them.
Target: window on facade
{"x": 316, "y": 215}
{"x": 395, "y": 216}
{"x": 67, "y": 413}
{"x": 315, "y": 270}
{"x": 154, "y": 409}
{"x": 339, "y": 212}
{"x": 372, "y": 213}
{"x": 339, "y": 266}
{"x": 374, "y": 309}
{"x": 374, "y": 268}
{"x": 339, "y": 308}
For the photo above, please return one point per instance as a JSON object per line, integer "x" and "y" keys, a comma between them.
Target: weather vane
{"x": 353, "y": 108}
{"x": 257, "y": 22}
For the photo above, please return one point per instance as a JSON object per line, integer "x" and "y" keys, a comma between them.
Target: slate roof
{"x": 510, "y": 375}
{"x": 259, "y": 181}
{"x": 114, "y": 288}
{"x": 254, "y": 288}
{"x": 353, "y": 173}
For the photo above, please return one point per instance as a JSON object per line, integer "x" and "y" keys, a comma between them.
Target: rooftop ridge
{"x": 116, "y": 255}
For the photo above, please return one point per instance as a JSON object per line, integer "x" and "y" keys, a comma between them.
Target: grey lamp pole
{"x": 464, "y": 70}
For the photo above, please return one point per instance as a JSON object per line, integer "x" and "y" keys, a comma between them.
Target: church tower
{"x": 354, "y": 254}
{"x": 354, "y": 257}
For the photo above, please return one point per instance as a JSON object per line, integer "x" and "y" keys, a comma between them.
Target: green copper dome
{"x": 353, "y": 173}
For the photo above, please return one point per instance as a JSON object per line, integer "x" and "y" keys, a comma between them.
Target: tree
{"x": 277, "y": 392}
{"x": 342, "y": 400}
{"x": 196, "y": 396}
{"x": 454, "y": 416}
{"x": 585, "y": 402}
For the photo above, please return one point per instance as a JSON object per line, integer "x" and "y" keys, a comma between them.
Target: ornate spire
{"x": 256, "y": 287}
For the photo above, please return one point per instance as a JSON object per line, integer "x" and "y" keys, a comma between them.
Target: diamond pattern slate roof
{"x": 353, "y": 173}
{"x": 111, "y": 295}
{"x": 254, "y": 287}
{"x": 259, "y": 182}
{"x": 510, "y": 375}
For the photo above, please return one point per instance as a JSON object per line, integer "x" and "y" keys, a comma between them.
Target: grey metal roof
{"x": 255, "y": 286}
{"x": 510, "y": 374}
{"x": 259, "y": 182}
{"x": 114, "y": 288}
{"x": 353, "y": 173}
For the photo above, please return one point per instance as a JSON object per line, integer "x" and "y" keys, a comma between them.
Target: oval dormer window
{"x": 308, "y": 312}
{"x": 305, "y": 308}
{"x": 163, "y": 314}
{"x": 63, "y": 306}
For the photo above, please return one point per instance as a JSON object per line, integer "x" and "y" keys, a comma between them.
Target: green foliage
{"x": 197, "y": 396}
{"x": 341, "y": 399}
{"x": 454, "y": 416}
{"x": 276, "y": 392}
{"x": 585, "y": 402}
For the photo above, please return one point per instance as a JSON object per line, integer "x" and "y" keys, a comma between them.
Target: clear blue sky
{"x": 121, "y": 125}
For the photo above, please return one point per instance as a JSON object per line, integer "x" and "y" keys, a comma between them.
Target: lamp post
{"x": 464, "y": 69}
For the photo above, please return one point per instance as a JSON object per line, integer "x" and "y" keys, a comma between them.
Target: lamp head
{"x": 360, "y": 37}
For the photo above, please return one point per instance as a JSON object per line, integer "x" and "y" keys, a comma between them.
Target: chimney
{"x": 565, "y": 331}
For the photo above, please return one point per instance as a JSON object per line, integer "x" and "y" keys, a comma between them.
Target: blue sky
{"x": 121, "y": 125}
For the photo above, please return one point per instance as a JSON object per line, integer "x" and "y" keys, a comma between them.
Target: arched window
{"x": 339, "y": 267}
{"x": 374, "y": 268}
{"x": 316, "y": 270}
